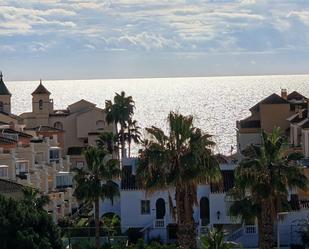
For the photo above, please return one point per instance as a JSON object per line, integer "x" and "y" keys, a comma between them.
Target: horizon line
{"x": 159, "y": 77}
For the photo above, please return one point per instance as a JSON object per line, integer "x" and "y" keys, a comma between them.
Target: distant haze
{"x": 91, "y": 39}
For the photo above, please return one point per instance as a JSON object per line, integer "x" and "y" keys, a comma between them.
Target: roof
{"x": 271, "y": 99}
{"x": 10, "y": 115}
{"x": 81, "y": 105}
{"x": 45, "y": 128}
{"x": 3, "y": 88}
{"x": 60, "y": 113}
{"x": 304, "y": 124}
{"x": 296, "y": 95}
{"x": 4, "y": 123}
{"x": 41, "y": 89}
{"x": 296, "y": 118}
{"x": 9, "y": 187}
{"x": 4, "y": 140}
{"x": 11, "y": 131}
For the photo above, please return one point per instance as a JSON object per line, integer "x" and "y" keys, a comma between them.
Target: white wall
{"x": 218, "y": 203}
{"x": 131, "y": 207}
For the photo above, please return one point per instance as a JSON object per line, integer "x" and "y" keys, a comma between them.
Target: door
{"x": 160, "y": 209}
{"x": 204, "y": 211}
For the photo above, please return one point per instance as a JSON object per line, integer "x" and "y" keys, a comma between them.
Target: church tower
{"x": 5, "y": 97}
{"x": 41, "y": 101}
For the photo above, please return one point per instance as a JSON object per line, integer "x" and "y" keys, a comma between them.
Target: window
{"x": 41, "y": 104}
{"x": 3, "y": 171}
{"x": 145, "y": 206}
{"x": 79, "y": 164}
{"x": 100, "y": 124}
{"x": 58, "y": 125}
{"x": 1, "y": 106}
{"x": 64, "y": 181}
{"x": 21, "y": 168}
{"x": 54, "y": 155}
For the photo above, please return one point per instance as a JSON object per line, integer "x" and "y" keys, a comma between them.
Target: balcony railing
{"x": 159, "y": 223}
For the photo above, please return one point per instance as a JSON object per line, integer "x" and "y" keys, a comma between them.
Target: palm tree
{"x": 96, "y": 182}
{"x": 33, "y": 199}
{"x": 262, "y": 181}
{"x": 179, "y": 160}
{"x": 214, "y": 239}
{"x": 107, "y": 141}
{"x": 119, "y": 113}
{"x": 132, "y": 134}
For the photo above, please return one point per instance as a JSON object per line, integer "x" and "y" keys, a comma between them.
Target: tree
{"x": 262, "y": 182}
{"x": 108, "y": 141}
{"x": 180, "y": 160}
{"x": 34, "y": 199}
{"x": 96, "y": 182}
{"x": 214, "y": 239}
{"x": 119, "y": 113}
{"x": 132, "y": 133}
{"x": 24, "y": 226}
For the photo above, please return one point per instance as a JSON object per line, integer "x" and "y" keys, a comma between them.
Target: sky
{"x": 91, "y": 39}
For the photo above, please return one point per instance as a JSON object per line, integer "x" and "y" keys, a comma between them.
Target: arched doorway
{"x": 160, "y": 209}
{"x": 204, "y": 211}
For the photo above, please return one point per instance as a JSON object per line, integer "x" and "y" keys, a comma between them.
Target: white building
{"x": 151, "y": 212}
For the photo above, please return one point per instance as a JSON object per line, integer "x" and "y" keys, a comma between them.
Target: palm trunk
{"x": 97, "y": 223}
{"x": 129, "y": 145}
{"x": 122, "y": 141}
{"x": 266, "y": 236}
{"x": 186, "y": 226}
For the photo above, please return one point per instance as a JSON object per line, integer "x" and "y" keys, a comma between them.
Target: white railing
{"x": 250, "y": 229}
{"x": 159, "y": 223}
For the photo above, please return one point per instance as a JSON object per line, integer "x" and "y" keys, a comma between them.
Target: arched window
{"x": 58, "y": 125}
{"x": 1, "y": 106}
{"x": 41, "y": 104}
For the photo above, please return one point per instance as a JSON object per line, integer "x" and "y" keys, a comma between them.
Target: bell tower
{"x": 41, "y": 101}
{"x": 5, "y": 97}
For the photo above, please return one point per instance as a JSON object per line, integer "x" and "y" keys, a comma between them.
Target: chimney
{"x": 284, "y": 94}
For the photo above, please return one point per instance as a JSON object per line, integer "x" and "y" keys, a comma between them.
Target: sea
{"x": 216, "y": 103}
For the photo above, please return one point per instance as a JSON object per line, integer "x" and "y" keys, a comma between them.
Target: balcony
{"x": 159, "y": 223}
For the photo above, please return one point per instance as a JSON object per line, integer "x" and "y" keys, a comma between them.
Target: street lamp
{"x": 278, "y": 230}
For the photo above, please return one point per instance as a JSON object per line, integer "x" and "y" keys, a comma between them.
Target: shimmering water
{"x": 215, "y": 102}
